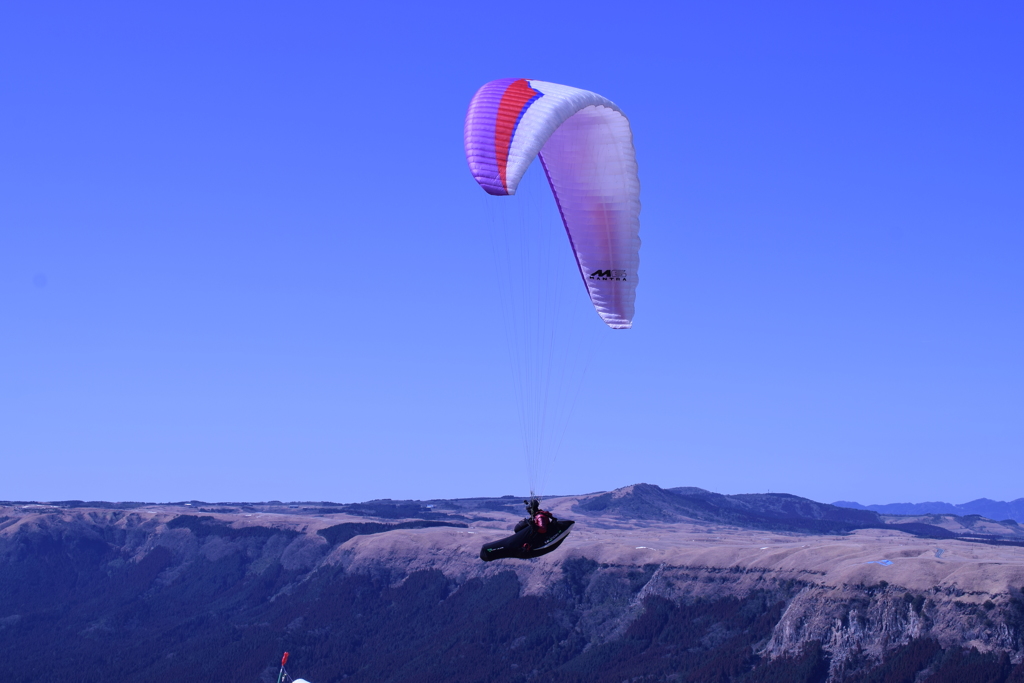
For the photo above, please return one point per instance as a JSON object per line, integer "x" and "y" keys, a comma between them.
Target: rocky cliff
{"x": 648, "y": 587}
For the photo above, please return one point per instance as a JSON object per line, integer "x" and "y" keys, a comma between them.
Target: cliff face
{"x": 862, "y": 625}
{"x": 161, "y": 593}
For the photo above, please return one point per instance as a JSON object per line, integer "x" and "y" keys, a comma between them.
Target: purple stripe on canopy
{"x": 481, "y": 120}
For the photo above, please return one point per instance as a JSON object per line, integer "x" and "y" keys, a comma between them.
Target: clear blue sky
{"x": 214, "y": 220}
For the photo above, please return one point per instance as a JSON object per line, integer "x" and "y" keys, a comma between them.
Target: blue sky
{"x": 215, "y": 219}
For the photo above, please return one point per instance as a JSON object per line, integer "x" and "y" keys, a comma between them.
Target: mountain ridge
{"x": 781, "y": 512}
{"x": 986, "y": 507}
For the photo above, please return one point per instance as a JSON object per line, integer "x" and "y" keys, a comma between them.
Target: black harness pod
{"x": 530, "y": 539}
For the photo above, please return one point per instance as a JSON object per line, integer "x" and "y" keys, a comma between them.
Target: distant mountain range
{"x": 641, "y": 504}
{"x": 776, "y": 511}
{"x": 993, "y": 509}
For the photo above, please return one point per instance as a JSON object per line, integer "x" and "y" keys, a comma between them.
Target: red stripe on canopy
{"x": 516, "y": 98}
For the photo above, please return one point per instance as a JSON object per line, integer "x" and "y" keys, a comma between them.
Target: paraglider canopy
{"x": 585, "y": 146}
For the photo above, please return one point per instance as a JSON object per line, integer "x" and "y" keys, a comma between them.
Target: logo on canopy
{"x": 608, "y": 275}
